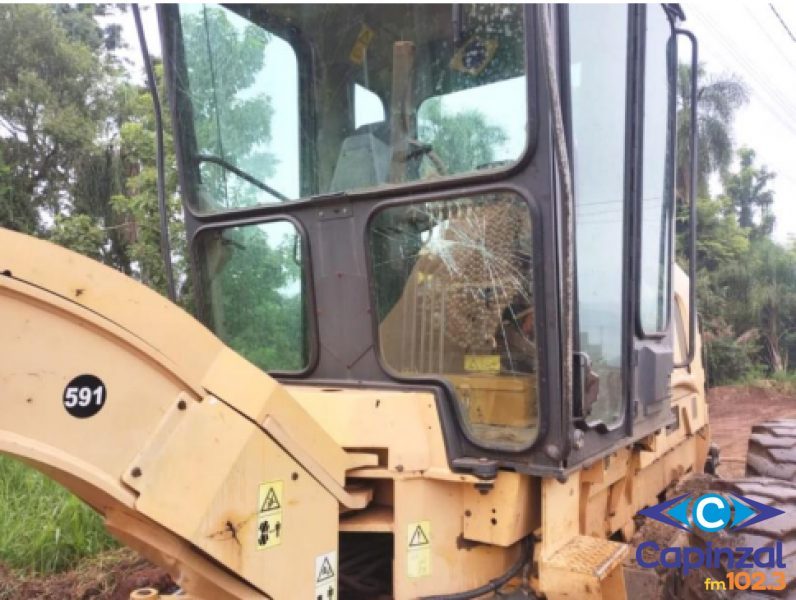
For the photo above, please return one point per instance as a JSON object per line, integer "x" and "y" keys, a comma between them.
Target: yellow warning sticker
{"x": 326, "y": 576}
{"x": 418, "y": 555}
{"x": 269, "y": 515}
{"x": 482, "y": 363}
{"x": 364, "y": 38}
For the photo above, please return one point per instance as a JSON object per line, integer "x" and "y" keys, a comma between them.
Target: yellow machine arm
{"x": 182, "y": 445}
{"x": 225, "y": 477}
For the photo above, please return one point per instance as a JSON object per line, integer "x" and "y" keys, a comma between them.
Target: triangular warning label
{"x": 325, "y": 572}
{"x": 418, "y": 538}
{"x": 271, "y": 502}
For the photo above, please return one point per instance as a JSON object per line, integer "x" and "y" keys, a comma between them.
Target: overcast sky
{"x": 745, "y": 38}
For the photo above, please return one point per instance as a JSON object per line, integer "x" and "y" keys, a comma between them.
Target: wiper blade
{"x": 200, "y": 158}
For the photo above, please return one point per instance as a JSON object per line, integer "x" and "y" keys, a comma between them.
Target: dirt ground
{"x": 110, "y": 576}
{"x": 733, "y": 411}
{"x": 113, "y": 575}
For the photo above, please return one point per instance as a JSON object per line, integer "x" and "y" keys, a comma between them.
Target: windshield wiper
{"x": 200, "y": 158}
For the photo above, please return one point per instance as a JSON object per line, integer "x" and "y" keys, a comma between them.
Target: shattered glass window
{"x": 454, "y": 297}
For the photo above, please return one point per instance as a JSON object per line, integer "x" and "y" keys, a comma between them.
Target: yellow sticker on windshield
{"x": 364, "y": 38}
{"x": 482, "y": 363}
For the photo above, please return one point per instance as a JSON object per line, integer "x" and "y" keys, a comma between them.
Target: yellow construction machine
{"x": 443, "y": 351}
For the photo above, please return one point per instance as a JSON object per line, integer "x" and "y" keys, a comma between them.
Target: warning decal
{"x": 269, "y": 515}
{"x": 419, "y": 537}
{"x": 364, "y": 38}
{"x": 418, "y": 556}
{"x": 271, "y": 501}
{"x": 326, "y": 576}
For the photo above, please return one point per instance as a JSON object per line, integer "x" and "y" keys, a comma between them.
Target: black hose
{"x": 494, "y": 584}
{"x": 165, "y": 244}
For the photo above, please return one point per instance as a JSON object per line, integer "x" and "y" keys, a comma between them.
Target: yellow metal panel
{"x": 404, "y": 423}
{"x": 257, "y": 396}
{"x": 210, "y": 493}
{"x": 505, "y": 514}
{"x": 454, "y": 566}
{"x": 165, "y": 327}
{"x": 560, "y": 513}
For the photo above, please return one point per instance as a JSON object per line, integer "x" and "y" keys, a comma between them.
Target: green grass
{"x": 44, "y": 528}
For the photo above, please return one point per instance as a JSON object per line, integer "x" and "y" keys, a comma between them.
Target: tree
{"x": 231, "y": 114}
{"x": 747, "y": 192}
{"x": 52, "y": 109}
{"x": 134, "y": 206}
{"x": 761, "y": 293}
{"x": 16, "y": 210}
{"x": 255, "y": 293}
{"x": 718, "y": 99}
{"x": 464, "y": 140}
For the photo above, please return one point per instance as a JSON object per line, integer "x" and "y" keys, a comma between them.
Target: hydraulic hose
{"x": 165, "y": 244}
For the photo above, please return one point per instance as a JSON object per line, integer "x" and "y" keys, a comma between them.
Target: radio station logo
{"x": 712, "y": 513}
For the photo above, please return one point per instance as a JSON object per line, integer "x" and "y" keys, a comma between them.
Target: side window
{"x": 475, "y": 128}
{"x": 658, "y": 179}
{"x": 598, "y": 74}
{"x": 242, "y": 86}
{"x": 454, "y": 298}
{"x": 252, "y": 291}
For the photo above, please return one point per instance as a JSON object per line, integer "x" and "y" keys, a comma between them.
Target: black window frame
{"x": 308, "y": 302}
{"x": 540, "y": 309}
{"x": 308, "y": 125}
{"x": 669, "y": 174}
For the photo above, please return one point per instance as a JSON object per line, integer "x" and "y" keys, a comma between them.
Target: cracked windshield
{"x": 291, "y": 101}
{"x": 454, "y": 296}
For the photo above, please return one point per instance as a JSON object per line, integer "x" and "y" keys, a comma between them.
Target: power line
{"x": 762, "y": 29}
{"x": 770, "y": 97}
{"x": 781, "y": 20}
{"x": 753, "y": 72}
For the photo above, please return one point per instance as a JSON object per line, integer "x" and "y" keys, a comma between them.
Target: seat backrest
{"x": 364, "y": 159}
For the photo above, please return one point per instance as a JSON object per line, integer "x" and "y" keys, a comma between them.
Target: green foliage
{"x": 463, "y": 140}
{"x": 256, "y": 296}
{"x": 79, "y": 233}
{"x": 136, "y": 201}
{"x": 231, "y": 113}
{"x": 747, "y": 192}
{"x": 728, "y": 360}
{"x": 718, "y": 99}
{"x": 43, "y": 528}
{"x": 52, "y": 106}
{"x": 17, "y": 212}
{"x": 746, "y": 281}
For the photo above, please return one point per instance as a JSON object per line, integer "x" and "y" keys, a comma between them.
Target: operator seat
{"x": 364, "y": 159}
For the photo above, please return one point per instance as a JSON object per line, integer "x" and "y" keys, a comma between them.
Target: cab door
{"x": 621, "y": 119}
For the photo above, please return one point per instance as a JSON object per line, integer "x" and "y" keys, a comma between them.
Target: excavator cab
{"x": 446, "y": 352}
{"x": 372, "y": 199}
